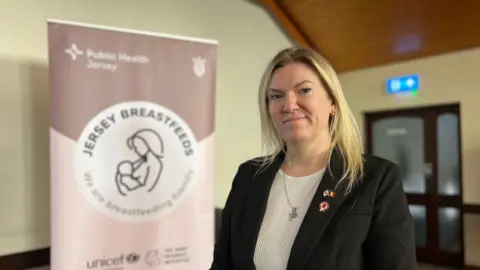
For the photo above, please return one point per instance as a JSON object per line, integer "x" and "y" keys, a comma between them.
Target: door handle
{"x": 428, "y": 169}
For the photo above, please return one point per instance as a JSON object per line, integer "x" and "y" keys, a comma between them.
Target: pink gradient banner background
{"x": 131, "y": 139}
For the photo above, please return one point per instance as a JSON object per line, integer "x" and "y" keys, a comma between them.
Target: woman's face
{"x": 299, "y": 106}
{"x": 140, "y": 146}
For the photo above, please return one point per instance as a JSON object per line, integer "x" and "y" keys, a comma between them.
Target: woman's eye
{"x": 305, "y": 90}
{"x": 274, "y": 97}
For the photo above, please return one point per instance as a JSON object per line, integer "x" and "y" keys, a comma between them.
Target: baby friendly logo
{"x": 145, "y": 171}
{"x": 136, "y": 161}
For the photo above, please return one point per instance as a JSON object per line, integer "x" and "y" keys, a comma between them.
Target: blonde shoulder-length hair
{"x": 344, "y": 130}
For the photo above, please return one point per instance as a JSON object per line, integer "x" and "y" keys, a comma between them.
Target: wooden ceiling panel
{"x": 355, "y": 34}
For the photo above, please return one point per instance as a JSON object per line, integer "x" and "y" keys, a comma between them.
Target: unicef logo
{"x": 136, "y": 161}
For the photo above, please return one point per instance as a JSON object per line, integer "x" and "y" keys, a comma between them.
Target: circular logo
{"x": 153, "y": 258}
{"x": 136, "y": 161}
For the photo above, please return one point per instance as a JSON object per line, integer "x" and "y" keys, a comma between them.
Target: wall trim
{"x": 41, "y": 258}
{"x": 26, "y": 259}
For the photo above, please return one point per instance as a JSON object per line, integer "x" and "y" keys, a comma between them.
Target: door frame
{"x": 432, "y": 201}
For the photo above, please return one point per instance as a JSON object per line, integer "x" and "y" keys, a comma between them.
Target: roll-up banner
{"x": 131, "y": 140}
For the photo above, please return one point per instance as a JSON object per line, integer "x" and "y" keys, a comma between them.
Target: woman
{"x": 315, "y": 201}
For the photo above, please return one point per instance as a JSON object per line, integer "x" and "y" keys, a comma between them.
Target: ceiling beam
{"x": 287, "y": 23}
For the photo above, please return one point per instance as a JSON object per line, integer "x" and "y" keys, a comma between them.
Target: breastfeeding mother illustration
{"x": 145, "y": 171}
{"x": 315, "y": 200}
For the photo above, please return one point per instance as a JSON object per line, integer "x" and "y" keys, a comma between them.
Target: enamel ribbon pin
{"x": 328, "y": 193}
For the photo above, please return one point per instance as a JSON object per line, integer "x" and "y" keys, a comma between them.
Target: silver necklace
{"x": 293, "y": 213}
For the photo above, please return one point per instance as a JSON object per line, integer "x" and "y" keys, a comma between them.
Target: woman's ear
{"x": 333, "y": 110}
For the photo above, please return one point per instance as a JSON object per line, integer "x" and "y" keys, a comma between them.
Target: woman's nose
{"x": 290, "y": 103}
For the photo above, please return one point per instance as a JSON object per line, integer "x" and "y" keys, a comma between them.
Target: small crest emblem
{"x": 324, "y": 206}
{"x": 199, "y": 64}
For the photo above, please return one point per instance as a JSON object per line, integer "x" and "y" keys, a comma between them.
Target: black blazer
{"x": 371, "y": 228}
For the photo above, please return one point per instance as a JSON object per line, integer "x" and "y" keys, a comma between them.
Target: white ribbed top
{"x": 277, "y": 232}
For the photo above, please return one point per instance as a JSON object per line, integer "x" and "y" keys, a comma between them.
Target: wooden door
{"x": 425, "y": 143}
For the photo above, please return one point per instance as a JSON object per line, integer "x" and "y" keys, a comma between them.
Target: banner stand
{"x": 132, "y": 137}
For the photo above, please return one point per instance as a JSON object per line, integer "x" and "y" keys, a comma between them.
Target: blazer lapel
{"x": 316, "y": 221}
{"x": 255, "y": 206}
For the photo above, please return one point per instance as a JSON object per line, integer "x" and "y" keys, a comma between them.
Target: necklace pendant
{"x": 293, "y": 214}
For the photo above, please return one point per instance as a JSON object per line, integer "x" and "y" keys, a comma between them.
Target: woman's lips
{"x": 292, "y": 119}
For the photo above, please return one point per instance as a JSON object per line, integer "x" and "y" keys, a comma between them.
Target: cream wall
{"x": 247, "y": 38}
{"x": 443, "y": 79}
